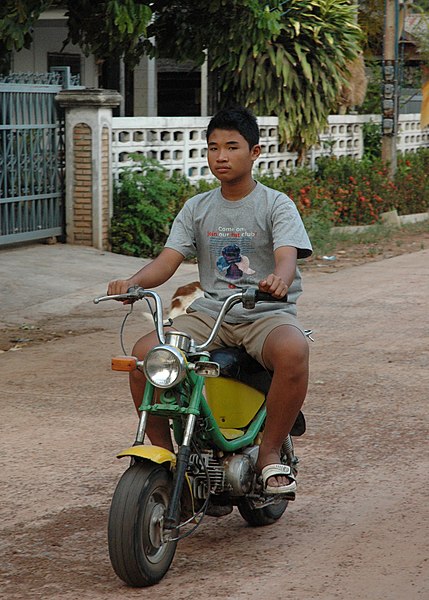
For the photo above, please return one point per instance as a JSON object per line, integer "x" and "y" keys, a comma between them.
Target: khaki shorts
{"x": 250, "y": 335}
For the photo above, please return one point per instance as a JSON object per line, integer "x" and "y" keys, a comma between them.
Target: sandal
{"x": 274, "y": 471}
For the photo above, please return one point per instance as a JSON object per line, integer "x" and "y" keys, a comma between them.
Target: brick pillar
{"x": 88, "y": 126}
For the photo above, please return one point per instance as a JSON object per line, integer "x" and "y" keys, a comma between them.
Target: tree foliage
{"x": 371, "y": 19}
{"x": 17, "y": 17}
{"x": 105, "y": 28}
{"x": 109, "y": 28}
{"x": 291, "y": 62}
{"x": 285, "y": 58}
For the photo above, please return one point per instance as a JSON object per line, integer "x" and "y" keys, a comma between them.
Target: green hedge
{"x": 342, "y": 191}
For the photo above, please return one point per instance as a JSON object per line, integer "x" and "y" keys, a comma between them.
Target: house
{"x": 156, "y": 87}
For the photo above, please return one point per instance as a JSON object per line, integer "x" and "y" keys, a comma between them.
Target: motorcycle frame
{"x": 199, "y": 407}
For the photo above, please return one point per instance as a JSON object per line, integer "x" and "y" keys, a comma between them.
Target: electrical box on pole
{"x": 390, "y": 98}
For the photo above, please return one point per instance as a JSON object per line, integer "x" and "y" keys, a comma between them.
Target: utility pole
{"x": 389, "y": 120}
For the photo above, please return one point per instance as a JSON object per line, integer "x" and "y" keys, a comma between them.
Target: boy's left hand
{"x": 274, "y": 285}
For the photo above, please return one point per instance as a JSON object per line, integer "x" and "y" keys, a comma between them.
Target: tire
{"x": 257, "y": 517}
{"x": 136, "y": 551}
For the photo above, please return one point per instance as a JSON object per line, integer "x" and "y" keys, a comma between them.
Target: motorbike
{"x": 215, "y": 404}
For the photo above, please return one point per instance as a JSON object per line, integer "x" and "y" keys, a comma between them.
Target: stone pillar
{"x": 88, "y": 133}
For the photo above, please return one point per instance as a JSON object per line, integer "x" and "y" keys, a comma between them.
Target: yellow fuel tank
{"x": 234, "y": 404}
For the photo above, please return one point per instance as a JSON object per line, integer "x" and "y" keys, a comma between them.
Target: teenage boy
{"x": 243, "y": 234}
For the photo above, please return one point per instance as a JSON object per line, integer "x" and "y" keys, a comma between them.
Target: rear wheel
{"x": 267, "y": 515}
{"x": 258, "y": 517}
{"x": 137, "y": 553}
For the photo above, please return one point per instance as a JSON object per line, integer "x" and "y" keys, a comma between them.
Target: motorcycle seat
{"x": 235, "y": 363}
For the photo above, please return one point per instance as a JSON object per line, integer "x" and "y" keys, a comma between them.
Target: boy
{"x": 244, "y": 234}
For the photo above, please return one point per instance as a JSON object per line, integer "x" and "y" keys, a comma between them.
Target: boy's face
{"x": 229, "y": 157}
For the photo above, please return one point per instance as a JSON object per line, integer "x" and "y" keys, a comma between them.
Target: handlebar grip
{"x": 253, "y": 295}
{"x": 266, "y": 297}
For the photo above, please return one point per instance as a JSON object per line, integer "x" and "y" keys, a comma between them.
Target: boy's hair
{"x": 239, "y": 119}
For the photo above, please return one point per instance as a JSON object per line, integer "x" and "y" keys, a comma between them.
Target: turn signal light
{"x": 124, "y": 363}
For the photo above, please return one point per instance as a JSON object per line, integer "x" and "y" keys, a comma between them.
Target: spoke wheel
{"x": 137, "y": 553}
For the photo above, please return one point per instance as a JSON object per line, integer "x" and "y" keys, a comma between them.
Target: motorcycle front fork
{"x": 141, "y": 428}
{"x": 171, "y": 517}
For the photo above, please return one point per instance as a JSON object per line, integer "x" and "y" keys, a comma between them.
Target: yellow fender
{"x": 159, "y": 456}
{"x": 155, "y": 454}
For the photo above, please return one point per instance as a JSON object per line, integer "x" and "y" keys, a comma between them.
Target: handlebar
{"x": 138, "y": 293}
{"x": 248, "y": 297}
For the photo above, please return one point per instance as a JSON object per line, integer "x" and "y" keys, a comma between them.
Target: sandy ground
{"x": 359, "y": 526}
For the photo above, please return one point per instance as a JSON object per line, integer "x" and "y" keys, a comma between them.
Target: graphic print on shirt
{"x": 232, "y": 249}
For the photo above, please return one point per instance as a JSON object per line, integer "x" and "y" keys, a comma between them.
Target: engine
{"x": 233, "y": 474}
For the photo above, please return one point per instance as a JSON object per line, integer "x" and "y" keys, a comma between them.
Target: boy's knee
{"x": 288, "y": 347}
{"x": 295, "y": 358}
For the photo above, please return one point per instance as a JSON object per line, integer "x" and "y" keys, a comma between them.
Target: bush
{"x": 357, "y": 190}
{"x": 145, "y": 203}
{"x": 412, "y": 182}
{"x": 343, "y": 191}
{"x": 373, "y": 101}
{"x": 372, "y": 140}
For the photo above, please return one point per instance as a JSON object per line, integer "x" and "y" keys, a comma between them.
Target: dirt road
{"x": 359, "y": 527}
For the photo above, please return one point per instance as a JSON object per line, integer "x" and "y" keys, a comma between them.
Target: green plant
{"x": 145, "y": 203}
{"x": 343, "y": 191}
{"x": 358, "y": 190}
{"x": 371, "y": 140}
{"x": 291, "y": 183}
{"x": 292, "y": 61}
{"x": 412, "y": 182}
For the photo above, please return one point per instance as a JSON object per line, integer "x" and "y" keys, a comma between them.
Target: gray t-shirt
{"x": 234, "y": 242}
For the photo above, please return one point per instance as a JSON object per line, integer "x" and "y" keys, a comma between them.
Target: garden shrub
{"x": 371, "y": 140}
{"x": 412, "y": 182}
{"x": 145, "y": 203}
{"x": 342, "y": 191}
{"x": 358, "y": 190}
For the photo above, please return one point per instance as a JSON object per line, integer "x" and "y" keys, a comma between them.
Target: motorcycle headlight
{"x": 164, "y": 366}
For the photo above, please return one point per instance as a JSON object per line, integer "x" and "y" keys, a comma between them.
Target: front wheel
{"x": 137, "y": 553}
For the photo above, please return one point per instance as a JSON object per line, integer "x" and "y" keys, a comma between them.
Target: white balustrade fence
{"x": 179, "y": 143}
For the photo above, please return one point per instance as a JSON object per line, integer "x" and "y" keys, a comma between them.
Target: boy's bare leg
{"x": 157, "y": 429}
{"x": 286, "y": 353}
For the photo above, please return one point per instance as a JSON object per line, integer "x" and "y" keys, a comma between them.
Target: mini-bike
{"x": 215, "y": 403}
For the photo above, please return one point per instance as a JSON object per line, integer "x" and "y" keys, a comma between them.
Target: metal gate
{"x": 31, "y": 158}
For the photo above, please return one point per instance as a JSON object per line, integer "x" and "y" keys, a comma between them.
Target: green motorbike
{"x": 215, "y": 404}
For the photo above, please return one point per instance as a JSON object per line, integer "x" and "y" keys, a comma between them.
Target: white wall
{"x": 179, "y": 143}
